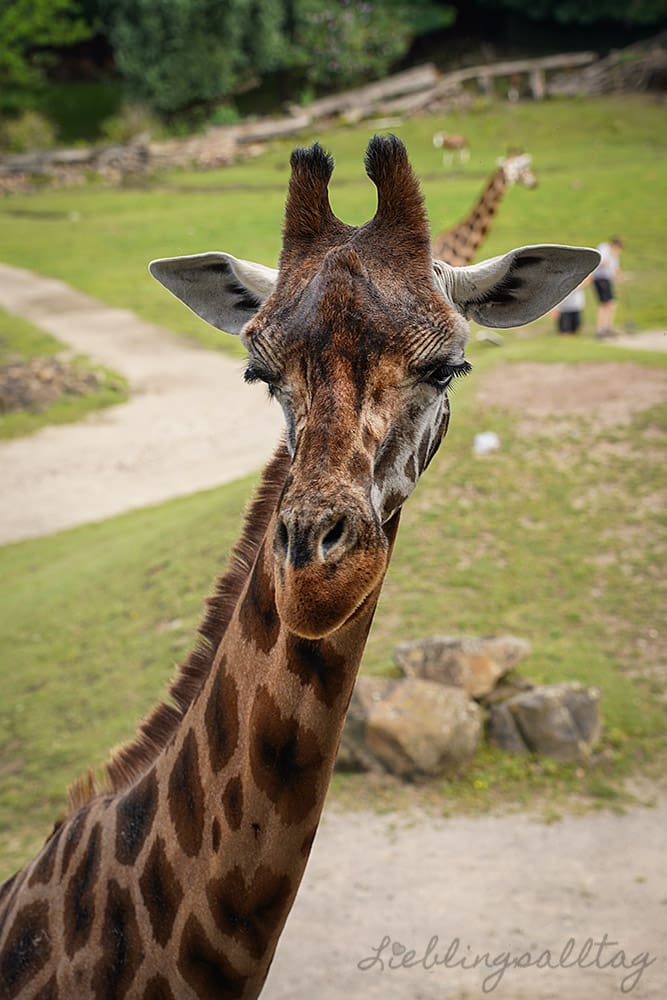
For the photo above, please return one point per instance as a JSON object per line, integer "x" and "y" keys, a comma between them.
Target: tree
{"x": 176, "y": 54}
{"x": 587, "y": 11}
{"x": 346, "y": 41}
{"x": 28, "y": 29}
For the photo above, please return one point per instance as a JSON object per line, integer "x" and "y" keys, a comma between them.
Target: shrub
{"x": 30, "y": 130}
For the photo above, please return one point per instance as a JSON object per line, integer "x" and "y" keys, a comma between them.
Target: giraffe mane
{"x": 132, "y": 759}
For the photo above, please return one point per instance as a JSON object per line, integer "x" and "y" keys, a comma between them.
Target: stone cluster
{"x": 35, "y": 383}
{"x": 452, "y": 691}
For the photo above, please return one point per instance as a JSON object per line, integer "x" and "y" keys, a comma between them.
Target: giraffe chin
{"x": 314, "y": 601}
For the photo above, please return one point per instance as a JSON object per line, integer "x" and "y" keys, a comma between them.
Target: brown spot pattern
{"x": 186, "y": 798}
{"x": 422, "y": 453}
{"x": 258, "y": 615}
{"x": 232, "y": 802}
{"x": 285, "y": 758}
{"x": 72, "y": 836}
{"x": 122, "y": 952}
{"x": 79, "y": 903}
{"x": 158, "y": 988}
{"x": 251, "y": 913}
{"x": 134, "y": 818}
{"x": 216, "y": 834}
{"x": 43, "y": 869}
{"x": 222, "y": 719}
{"x": 49, "y": 991}
{"x": 27, "y": 949}
{"x": 161, "y": 892}
{"x": 316, "y": 663}
{"x": 204, "y": 969}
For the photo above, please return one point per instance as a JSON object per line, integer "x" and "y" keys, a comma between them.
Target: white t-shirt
{"x": 610, "y": 262}
{"x": 574, "y": 302}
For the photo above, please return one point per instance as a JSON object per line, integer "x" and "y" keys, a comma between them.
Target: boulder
{"x": 557, "y": 720}
{"x": 353, "y": 752}
{"x": 421, "y": 728}
{"x": 473, "y": 664}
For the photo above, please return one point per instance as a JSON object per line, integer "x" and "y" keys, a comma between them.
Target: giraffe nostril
{"x": 333, "y": 536}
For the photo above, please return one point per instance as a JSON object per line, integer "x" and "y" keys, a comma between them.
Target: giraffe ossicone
{"x": 175, "y": 878}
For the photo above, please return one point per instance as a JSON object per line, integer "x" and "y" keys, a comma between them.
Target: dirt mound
{"x": 606, "y": 392}
{"x": 36, "y": 383}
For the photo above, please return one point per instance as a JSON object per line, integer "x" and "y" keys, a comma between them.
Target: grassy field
{"x": 557, "y": 537}
{"x": 601, "y": 165}
{"x": 20, "y": 341}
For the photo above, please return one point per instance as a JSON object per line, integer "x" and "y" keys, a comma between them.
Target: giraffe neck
{"x": 179, "y": 885}
{"x": 458, "y": 246}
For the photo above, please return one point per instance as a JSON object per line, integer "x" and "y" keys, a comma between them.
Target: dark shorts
{"x": 604, "y": 289}
{"x": 569, "y": 322}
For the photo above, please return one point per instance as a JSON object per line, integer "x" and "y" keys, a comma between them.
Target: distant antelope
{"x": 455, "y": 147}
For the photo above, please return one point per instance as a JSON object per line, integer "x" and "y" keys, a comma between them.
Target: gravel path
{"x": 393, "y": 893}
{"x": 191, "y": 422}
{"x": 502, "y": 885}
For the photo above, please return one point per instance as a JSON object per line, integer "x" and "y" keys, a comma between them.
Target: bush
{"x": 132, "y": 121}
{"x": 31, "y": 130}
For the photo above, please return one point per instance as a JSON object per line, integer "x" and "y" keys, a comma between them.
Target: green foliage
{"x": 131, "y": 121}
{"x": 575, "y": 12}
{"x": 27, "y": 29}
{"x": 30, "y": 130}
{"x": 342, "y": 43}
{"x": 176, "y": 54}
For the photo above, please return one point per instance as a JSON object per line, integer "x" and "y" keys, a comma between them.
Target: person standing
{"x": 605, "y": 277}
{"x": 569, "y": 312}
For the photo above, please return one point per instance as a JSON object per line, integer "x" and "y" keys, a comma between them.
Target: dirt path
{"x": 502, "y": 885}
{"x": 191, "y": 422}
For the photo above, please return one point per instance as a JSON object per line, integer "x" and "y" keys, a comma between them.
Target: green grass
{"x": 94, "y": 620}
{"x": 556, "y": 538}
{"x": 20, "y": 340}
{"x": 601, "y": 165}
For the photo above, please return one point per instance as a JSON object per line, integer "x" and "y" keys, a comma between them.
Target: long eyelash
{"x": 459, "y": 371}
{"x": 252, "y": 374}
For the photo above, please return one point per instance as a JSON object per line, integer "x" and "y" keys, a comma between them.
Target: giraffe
{"x": 459, "y": 245}
{"x": 174, "y": 876}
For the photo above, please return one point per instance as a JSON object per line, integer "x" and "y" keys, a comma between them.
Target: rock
{"x": 421, "y": 728}
{"x": 353, "y": 752}
{"x": 474, "y": 664}
{"x": 508, "y": 686}
{"x": 558, "y": 720}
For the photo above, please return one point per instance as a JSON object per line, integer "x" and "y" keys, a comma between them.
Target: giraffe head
{"x": 518, "y": 169}
{"x": 358, "y": 335}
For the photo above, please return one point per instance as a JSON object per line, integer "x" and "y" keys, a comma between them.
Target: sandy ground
{"x": 431, "y": 908}
{"x": 377, "y": 888}
{"x": 191, "y": 421}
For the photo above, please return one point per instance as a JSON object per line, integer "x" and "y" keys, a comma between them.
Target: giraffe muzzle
{"x": 326, "y": 565}
{"x": 299, "y": 541}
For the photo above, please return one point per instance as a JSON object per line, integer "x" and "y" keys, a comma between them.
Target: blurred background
{"x": 73, "y": 70}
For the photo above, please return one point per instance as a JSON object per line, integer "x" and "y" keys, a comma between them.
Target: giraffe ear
{"x": 224, "y": 291}
{"x": 518, "y": 287}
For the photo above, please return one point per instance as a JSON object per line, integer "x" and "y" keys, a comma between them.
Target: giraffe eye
{"x": 254, "y": 373}
{"x": 442, "y": 374}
